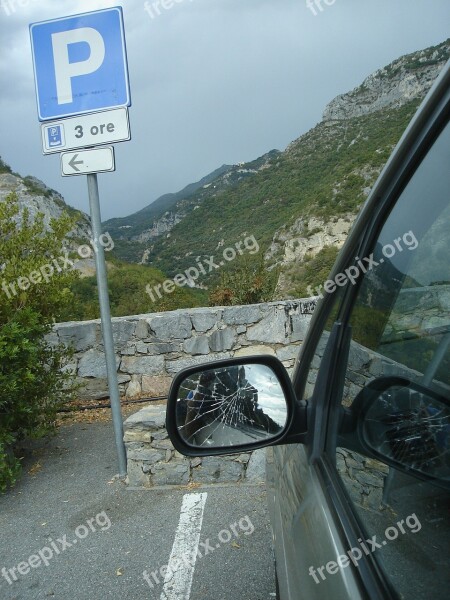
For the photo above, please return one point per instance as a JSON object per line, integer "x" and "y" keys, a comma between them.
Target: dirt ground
{"x": 100, "y": 415}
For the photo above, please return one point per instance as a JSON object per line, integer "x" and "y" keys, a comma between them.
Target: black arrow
{"x": 73, "y": 162}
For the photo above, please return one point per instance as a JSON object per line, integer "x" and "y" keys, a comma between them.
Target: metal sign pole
{"x": 105, "y": 313}
{"x": 83, "y": 104}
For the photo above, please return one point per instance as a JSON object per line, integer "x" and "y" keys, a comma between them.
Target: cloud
{"x": 212, "y": 82}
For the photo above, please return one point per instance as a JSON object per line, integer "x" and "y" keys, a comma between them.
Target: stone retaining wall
{"x": 364, "y": 477}
{"x": 152, "y": 348}
{"x": 153, "y": 461}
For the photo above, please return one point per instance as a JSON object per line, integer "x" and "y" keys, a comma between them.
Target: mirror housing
{"x": 405, "y": 425}
{"x": 230, "y": 406}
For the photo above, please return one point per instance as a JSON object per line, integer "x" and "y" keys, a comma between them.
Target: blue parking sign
{"x": 55, "y": 136}
{"x": 80, "y": 64}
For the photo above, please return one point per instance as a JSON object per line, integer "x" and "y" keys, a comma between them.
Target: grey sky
{"x": 212, "y": 82}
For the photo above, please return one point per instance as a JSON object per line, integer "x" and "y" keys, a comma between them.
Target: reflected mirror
{"x": 230, "y": 406}
{"x": 410, "y": 425}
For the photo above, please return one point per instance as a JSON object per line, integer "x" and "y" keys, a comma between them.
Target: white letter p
{"x": 64, "y": 69}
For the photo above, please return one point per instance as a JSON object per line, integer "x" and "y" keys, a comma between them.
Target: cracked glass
{"x": 229, "y": 406}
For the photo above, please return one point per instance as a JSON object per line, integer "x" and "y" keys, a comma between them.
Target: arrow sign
{"x": 97, "y": 160}
{"x": 73, "y": 163}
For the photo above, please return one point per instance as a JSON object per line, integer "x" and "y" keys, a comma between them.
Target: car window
{"x": 397, "y": 386}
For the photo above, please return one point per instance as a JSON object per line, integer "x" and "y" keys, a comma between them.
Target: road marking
{"x": 180, "y": 573}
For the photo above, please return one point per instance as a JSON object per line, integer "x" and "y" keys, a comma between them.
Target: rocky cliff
{"x": 390, "y": 90}
{"x": 407, "y": 78}
{"x": 36, "y": 197}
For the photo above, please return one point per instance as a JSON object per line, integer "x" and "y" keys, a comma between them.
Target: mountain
{"x": 128, "y": 284}
{"x": 135, "y": 227}
{"x": 133, "y": 233}
{"x": 300, "y": 203}
{"x": 36, "y": 197}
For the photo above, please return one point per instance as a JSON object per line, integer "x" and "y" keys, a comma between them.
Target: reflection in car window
{"x": 401, "y": 328}
{"x": 404, "y": 302}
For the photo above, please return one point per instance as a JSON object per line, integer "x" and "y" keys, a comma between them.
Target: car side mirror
{"x": 405, "y": 425}
{"x": 230, "y": 406}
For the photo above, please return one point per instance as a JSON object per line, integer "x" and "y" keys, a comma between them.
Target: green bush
{"x": 247, "y": 283}
{"x": 9, "y": 464}
{"x": 33, "y": 385}
{"x": 127, "y": 286}
{"x": 312, "y": 272}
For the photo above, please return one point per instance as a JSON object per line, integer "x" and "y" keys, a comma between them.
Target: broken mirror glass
{"x": 230, "y": 406}
{"x": 410, "y": 426}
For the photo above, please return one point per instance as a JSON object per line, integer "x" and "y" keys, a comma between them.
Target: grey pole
{"x": 105, "y": 313}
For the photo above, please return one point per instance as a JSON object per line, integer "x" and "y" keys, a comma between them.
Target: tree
{"x": 247, "y": 283}
{"x": 35, "y": 280}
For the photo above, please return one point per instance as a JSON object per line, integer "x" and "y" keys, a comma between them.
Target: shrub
{"x": 247, "y": 283}
{"x": 33, "y": 385}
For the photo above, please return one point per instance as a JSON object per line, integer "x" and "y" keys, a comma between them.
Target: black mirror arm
{"x": 348, "y": 434}
{"x": 299, "y": 426}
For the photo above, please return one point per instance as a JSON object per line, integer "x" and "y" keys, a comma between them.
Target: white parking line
{"x": 180, "y": 573}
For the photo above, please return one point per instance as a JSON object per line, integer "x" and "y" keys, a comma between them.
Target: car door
{"x": 352, "y": 520}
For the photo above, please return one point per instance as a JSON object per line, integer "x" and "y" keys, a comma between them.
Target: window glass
{"x": 400, "y": 326}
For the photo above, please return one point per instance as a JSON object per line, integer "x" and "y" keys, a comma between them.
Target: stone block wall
{"x": 364, "y": 477}
{"x": 153, "y": 461}
{"x": 152, "y": 348}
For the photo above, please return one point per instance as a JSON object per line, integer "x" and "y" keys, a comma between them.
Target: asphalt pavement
{"x": 70, "y": 530}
